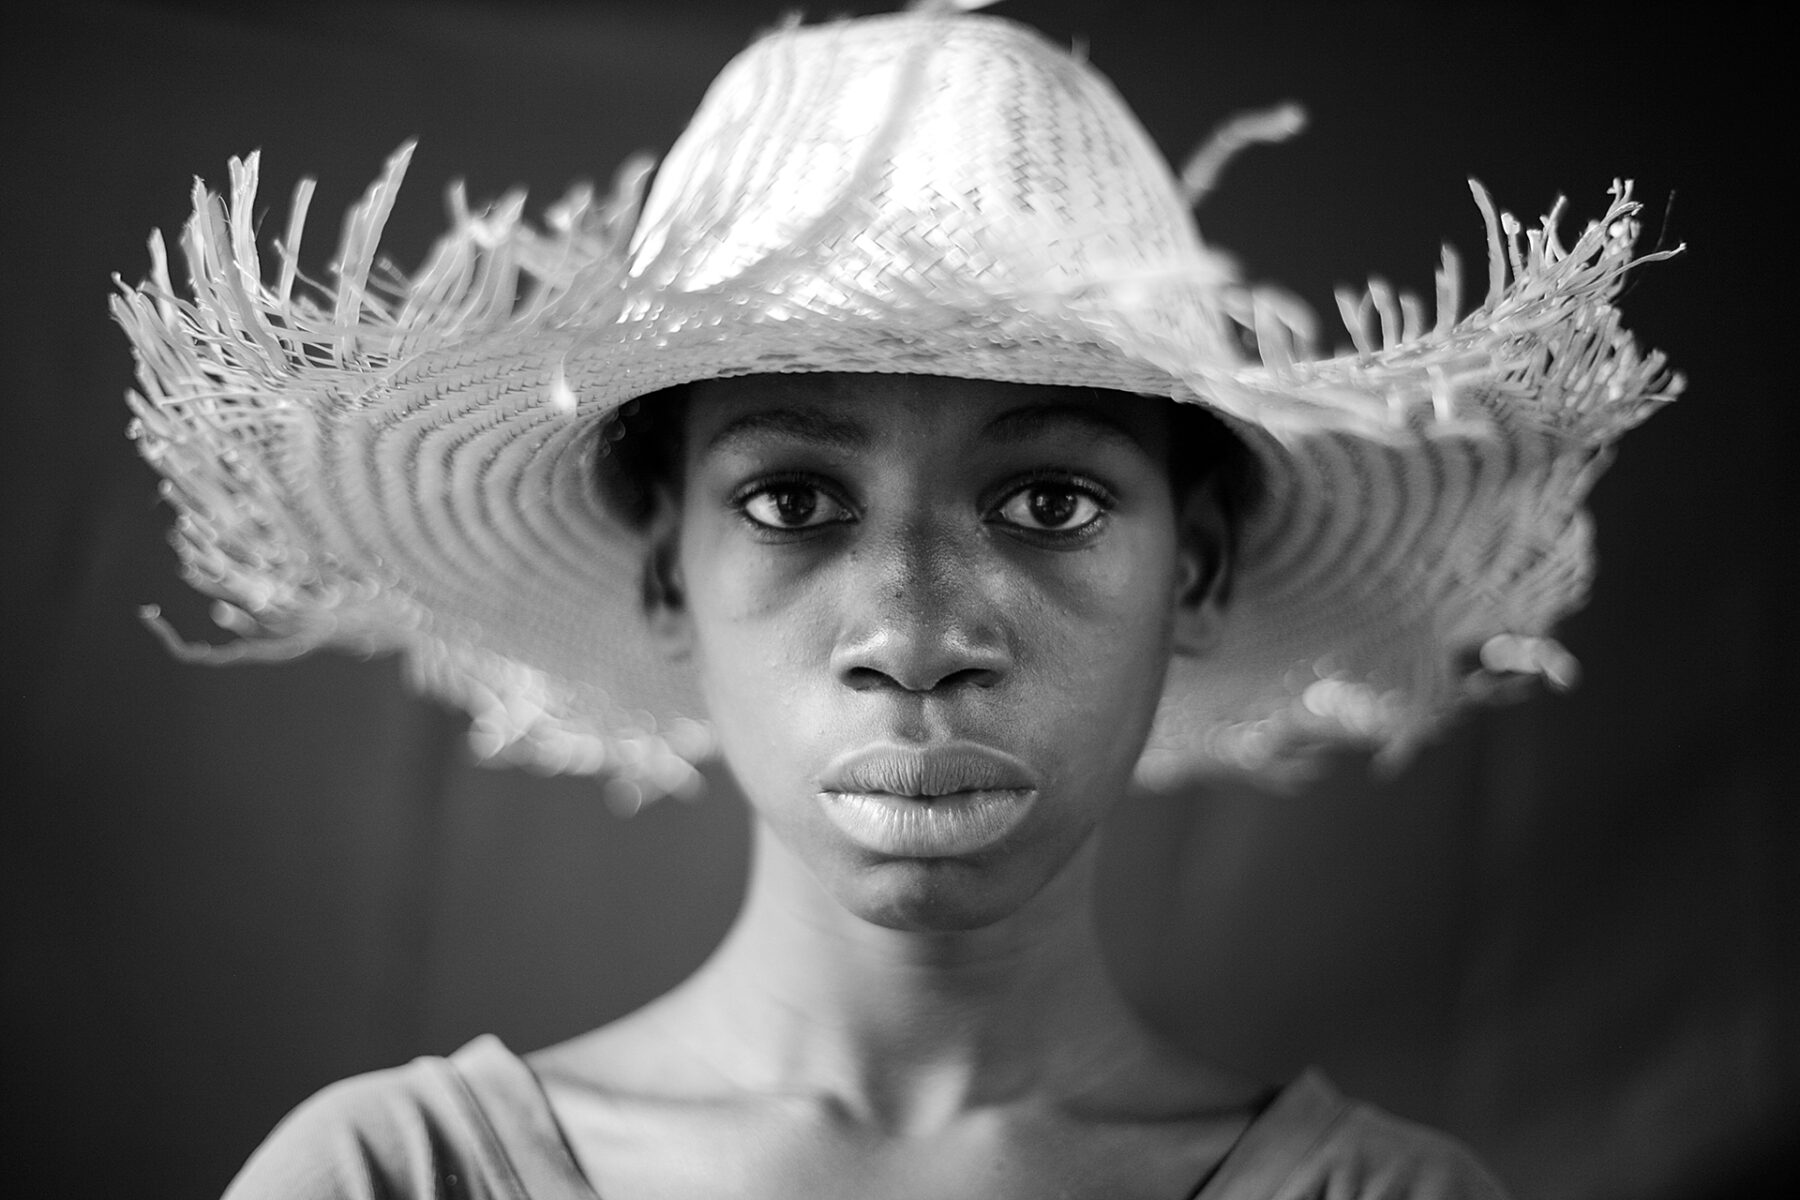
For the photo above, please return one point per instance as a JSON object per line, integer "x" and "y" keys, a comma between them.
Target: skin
{"x": 856, "y": 560}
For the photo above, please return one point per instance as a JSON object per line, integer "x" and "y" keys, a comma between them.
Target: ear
{"x": 1205, "y": 564}
{"x": 664, "y": 594}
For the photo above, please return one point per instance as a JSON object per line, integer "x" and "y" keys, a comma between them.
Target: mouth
{"x": 927, "y": 801}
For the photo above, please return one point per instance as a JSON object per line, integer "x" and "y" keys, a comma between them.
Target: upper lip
{"x": 938, "y": 769}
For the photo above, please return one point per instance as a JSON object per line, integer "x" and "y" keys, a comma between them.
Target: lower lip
{"x": 928, "y": 827}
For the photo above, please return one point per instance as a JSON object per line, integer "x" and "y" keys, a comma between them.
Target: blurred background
{"x": 1567, "y": 933}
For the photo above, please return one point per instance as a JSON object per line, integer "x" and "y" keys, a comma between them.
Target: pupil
{"x": 795, "y": 505}
{"x": 1052, "y": 507}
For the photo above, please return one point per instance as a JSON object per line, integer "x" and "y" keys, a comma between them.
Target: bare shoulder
{"x": 639, "y": 1112}
{"x": 651, "y": 1056}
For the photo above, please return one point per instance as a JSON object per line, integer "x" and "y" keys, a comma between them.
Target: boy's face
{"x": 931, "y": 619}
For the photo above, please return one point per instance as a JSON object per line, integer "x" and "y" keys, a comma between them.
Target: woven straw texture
{"x": 385, "y": 462}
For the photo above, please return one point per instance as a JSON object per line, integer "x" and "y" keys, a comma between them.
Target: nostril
{"x": 970, "y": 677}
{"x": 865, "y": 679}
{"x": 868, "y": 679}
{"x": 919, "y": 640}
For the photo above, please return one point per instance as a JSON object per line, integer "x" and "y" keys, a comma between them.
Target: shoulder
{"x": 1313, "y": 1143}
{"x": 387, "y": 1135}
{"x": 1369, "y": 1153}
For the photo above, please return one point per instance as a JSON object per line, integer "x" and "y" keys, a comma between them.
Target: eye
{"x": 791, "y": 506}
{"x": 1051, "y": 508}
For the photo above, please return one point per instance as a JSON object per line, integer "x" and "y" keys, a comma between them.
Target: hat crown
{"x": 948, "y": 146}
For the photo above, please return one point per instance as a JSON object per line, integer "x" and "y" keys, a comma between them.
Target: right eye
{"x": 791, "y": 506}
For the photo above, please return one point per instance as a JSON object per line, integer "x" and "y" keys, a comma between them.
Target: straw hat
{"x": 406, "y": 463}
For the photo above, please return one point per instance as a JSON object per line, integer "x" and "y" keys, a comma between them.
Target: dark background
{"x": 1567, "y": 933}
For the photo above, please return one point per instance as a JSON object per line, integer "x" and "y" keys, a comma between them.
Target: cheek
{"x": 1094, "y": 653}
{"x": 756, "y": 652}
{"x": 1104, "y": 619}
{"x": 753, "y": 626}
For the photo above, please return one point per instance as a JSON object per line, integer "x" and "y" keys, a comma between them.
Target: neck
{"x": 909, "y": 1028}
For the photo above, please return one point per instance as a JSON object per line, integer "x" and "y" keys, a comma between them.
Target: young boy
{"x": 906, "y": 450}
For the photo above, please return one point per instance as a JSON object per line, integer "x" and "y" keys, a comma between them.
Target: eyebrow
{"x": 810, "y": 425}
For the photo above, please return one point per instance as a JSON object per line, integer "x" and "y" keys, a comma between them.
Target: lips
{"x": 935, "y": 801}
{"x": 927, "y": 771}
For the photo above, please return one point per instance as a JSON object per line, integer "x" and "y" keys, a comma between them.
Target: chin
{"x": 936, "y": 895}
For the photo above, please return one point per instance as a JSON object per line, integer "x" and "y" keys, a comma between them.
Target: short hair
{"x": 640, "y": 450}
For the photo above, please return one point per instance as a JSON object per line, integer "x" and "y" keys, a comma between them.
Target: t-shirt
{"x": 478, "y": 1126}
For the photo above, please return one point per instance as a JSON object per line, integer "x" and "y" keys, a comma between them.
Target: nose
{"x": 921, "y": 615}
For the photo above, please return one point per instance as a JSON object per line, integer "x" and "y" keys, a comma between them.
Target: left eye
{"x": 1050, "y": 507}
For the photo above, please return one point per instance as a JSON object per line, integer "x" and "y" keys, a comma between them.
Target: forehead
{"x": 851, "y": 413}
